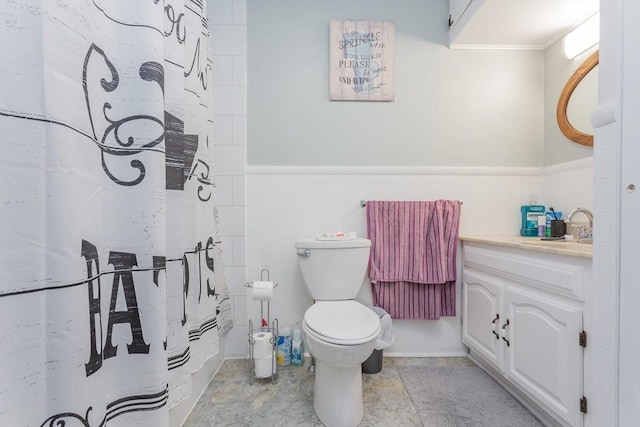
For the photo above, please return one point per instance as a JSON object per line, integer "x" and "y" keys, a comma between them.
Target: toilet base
{"x": 337, "y": 394}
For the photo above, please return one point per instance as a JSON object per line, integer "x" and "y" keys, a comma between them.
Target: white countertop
{"x": 559, "y": 247}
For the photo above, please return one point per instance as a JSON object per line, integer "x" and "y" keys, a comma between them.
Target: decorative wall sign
{"x": 361, "y": 58}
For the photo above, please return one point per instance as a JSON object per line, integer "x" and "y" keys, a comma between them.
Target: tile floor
{"x": 230, "y": 400}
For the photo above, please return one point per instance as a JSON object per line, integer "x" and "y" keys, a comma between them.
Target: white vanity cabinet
{"x": 523, "y": 320}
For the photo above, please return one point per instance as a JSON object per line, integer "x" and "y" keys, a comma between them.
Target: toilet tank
{"x": 333, "y": 269}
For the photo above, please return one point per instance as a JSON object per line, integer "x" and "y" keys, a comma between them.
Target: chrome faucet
{"x": 585, "y": 234}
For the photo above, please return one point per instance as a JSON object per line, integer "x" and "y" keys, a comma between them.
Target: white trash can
{"x": 373, "y": 364}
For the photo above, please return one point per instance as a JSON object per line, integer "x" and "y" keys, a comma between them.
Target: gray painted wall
{"x": 557, "y": 70}
{"x": 451, "y": 107}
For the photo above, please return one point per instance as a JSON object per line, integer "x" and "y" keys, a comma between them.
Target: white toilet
{"x": 340, "y": 332}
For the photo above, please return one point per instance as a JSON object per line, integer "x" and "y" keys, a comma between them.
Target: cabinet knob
{"x": 504, "y": 327}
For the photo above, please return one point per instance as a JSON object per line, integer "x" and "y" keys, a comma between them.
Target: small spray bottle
{"x": 542, "y": 225}
{"x": 297, "y": 348}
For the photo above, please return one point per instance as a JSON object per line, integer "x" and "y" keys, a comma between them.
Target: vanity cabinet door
{"x": 543, "y": 355}
{"x": 482, "y": 306}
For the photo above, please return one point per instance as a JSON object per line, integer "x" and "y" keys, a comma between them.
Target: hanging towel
{"x": 412, "y": 265}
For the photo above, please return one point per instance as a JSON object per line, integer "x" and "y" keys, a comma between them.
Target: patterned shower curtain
{"x": 112, "y": 288}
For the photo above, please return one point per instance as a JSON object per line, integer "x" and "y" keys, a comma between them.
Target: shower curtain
{"x": 112, "y": 288}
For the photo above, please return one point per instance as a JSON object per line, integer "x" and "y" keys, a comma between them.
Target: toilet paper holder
{"x": 264, "y": 272}
{"x": 266, "y": 326}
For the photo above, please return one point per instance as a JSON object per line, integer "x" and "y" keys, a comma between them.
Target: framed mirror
{"x": 565, "y": 125}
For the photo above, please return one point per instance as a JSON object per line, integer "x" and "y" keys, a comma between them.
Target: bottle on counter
{"x": 529, "y": 223}
{"x": 542, "y": 226}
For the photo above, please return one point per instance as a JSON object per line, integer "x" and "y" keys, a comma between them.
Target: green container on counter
{"x": 530, "y": 214}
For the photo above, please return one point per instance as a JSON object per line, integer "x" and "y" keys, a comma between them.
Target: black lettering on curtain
{"x": 131, "y": 315}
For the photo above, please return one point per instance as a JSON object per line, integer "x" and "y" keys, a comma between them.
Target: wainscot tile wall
{"x": 287, "y": 203}
{"x": 227, "y": 22}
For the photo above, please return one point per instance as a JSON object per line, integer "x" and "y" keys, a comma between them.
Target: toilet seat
{"x": 344, "y": 322}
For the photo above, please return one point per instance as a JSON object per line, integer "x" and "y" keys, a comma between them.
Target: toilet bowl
{"x": 340, "y": 335}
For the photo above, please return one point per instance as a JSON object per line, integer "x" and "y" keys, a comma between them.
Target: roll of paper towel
{"x": 266, "y": 366}
{"x": 262, "y": 291}
{"x": 262, "y": 344}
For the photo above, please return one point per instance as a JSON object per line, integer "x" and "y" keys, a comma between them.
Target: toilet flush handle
{"x": 304, "y": 252}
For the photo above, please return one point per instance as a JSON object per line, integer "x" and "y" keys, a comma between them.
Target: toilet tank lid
{"x": 332, "y": 244}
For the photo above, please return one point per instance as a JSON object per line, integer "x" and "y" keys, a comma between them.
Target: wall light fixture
{"x": 582, "y": 38}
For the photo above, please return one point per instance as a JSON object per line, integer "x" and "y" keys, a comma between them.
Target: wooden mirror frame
{"x": 561, "y": 112}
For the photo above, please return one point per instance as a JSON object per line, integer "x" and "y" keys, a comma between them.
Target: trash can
{"x": 373, "y": 364}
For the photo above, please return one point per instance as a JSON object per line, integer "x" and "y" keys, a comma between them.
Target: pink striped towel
{"x": 412, "y": 265}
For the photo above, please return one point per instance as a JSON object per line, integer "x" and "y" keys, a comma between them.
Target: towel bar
{"x": 363, "y": 203}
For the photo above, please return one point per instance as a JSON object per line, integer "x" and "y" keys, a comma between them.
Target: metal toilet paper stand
{"x": 265, "y": 326}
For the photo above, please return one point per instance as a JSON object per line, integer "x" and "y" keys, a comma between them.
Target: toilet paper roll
{"x": 262, "y": 291}
{"x": 262, "y": 345}
{"x": 266, "y": 366}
